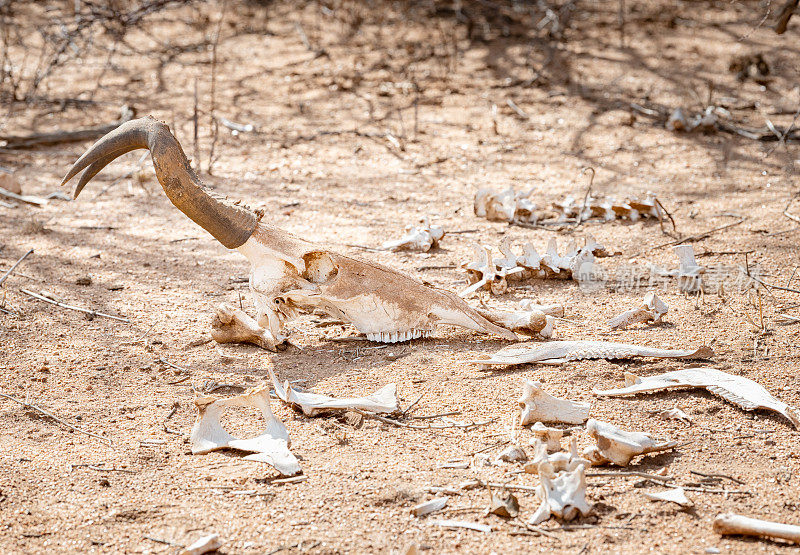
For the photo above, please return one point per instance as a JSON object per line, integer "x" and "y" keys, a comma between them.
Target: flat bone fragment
{"x": 478, "y": 527}
{"x": 429, "y": 507}
{"x": 652, "y": 309}
{"x": 539, "y": 406}
{"x": 418, "y": 239}
{"x": 512, "y": 453}
{"x": 271, "y": 446}
{"x": 618, "y": 446}
{"x": 232, "y": 325}
{"x": 675, "y": 414}
{"x": 738, "y": 390}
{"x": 672, "y": 495}
{"x": 733, "y": 524}
{"x": 690, "y": 275}
{"x": 558, "y": 352}
{"x": 206, "y": 544}
{"x": 383, "y": 401}
{"x": 562, "y": 495}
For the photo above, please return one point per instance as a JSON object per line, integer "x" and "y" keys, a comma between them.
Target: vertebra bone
{"x": 652, "y": 309}
{"x": 420, "y": 239}
{"x": 617, "y": 446}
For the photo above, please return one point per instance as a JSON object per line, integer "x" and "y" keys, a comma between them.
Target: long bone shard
{"x": 733, "y": 524}
{"x": 738, "y": 390}
{"x": 288, "y": 274}
{"x": 558, "y": 352}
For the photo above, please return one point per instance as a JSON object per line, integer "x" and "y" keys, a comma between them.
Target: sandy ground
{"x": 322, "y": 167}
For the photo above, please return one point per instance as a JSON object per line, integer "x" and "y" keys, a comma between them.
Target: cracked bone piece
{"x": 539, "y": 406}
{"x": 550, "y": 436}
{"x": 383, "y": 401}
{"x": 503, "y": 504}
{"x": 674, "y": 414}
{"x": 733, "y": 524}
{"x": 419, "y": 239}
{"x": 558, "y": 352}
{"x": 672, "y": 495}
{"x": 562, "y": 495}
{"x": 617, "y": 446}
{"x": 690, "y": 275}
{"x": 271, "y": 446}
{"x": 512, "y": 453}
{"x": 652, "y": 309}
{"x": 429, "y": 507}
{"x": 738, "y": 390}
{"x": 232, "y": 325}
{"x": 206, "y": 544}
{"x": 288, "y": 275}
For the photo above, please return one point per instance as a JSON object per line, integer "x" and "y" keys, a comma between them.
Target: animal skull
{"x": 617, "y": 446}
{"x": 288, "y": 275}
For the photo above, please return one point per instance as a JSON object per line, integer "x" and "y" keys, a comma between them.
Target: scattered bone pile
{"x": 516, "y": 207}
{"x": 494, "y": 274}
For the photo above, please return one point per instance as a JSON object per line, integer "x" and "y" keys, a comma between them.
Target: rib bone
{"x": 730, "y": 523}
{"x": 738, "y": 390}
{"x": 557, "y": 352}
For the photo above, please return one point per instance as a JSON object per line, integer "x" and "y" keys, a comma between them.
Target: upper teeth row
{"x": 397, "y": 336}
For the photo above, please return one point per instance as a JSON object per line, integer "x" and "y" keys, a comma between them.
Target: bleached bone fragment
{"x": 550, "y": 436}
{"x": 478, "y": 527}
{"x": 675, "y": 414}
{"x": 512, "y": 453}
{"x": 418, "y": 239}
{"x": 562, "y": 495}
{"x": 559, "y": 461}
{"x": 483, "y": 274}
{"x": 206, "y": 544}
{"x": 652, "y": 309}
{"x": 677, "y": 121}
{"x": 232, "y": 325}
{"x": 429, "y": 507}
{"x": 558, "y": 352}
{"x": 505, "y": 206}
{"x": 733, "y": 524}
{"x": 556, "y": 310}
{"x": 271, "y": 446}
{"x": 738, "y": 390}
{"x": 527, "y": 322}
{"x": 672, "y": 495}
{"x": 383, "y": 401}
{"x": 618, "y": 446}
{"x": 539, "y": 406}
{"x": 503, "y": 504}
{"x": 690, "y": 275}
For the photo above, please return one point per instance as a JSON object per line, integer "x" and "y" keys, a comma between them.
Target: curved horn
{"x": 229, "y": 223}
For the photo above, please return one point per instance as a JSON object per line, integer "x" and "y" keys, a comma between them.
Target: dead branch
{"x": 71, "y": 307}
{"x": 16, "y": 142}
{"x": 12, "y": 268}
{"x": 56, "y": 418}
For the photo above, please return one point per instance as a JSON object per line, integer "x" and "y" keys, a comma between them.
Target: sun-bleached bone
{"x": 232, "y": 325}
{"x": 428, "y": 507}
{"x": 271, "y": 446}
{"x": 690, "y": 275}
{"x": 544, "y": 461}
{"x": 504, "y": 206}
{"x": 674, "y": 414}
{"x": 504, "y": 504}
{"x": 419, "y": 239}
{"x": 288, "y": 275}
{"x": 512, "y": 453}
{"x": 383, "y": 401}
{"x": 733, "y": 524}
{"x": 206, "y": 544}
{"x": 550, "y": 436}
{"x": 652, "y": 309}
{"x": 738, "y": 390}
{"x": 562, "y": 494}
{"x": 617, "y": 446}
{"x": 672, "y": 495}
{"x": 558, "y": 352}
{"x": 539, "y": 406}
